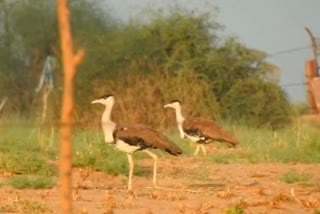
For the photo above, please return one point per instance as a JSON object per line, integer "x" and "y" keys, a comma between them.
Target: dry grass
{"x": 24, "y": 206}
{"x": 144, "y": 102}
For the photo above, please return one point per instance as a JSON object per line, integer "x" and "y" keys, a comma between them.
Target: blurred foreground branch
{"x": 70, "y": 63}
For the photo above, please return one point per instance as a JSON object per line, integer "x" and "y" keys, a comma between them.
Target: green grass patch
{"x": 26, "y": 148}
{"x": 235, "y": 210}
{"x": 29, "y": 182}
{"x": 294, "y": 144}
{"x": 30, "y": 150}
{"x": 187, "y": 146}
{"x": 306, "y": 185}
{"x": 291, "y": 177}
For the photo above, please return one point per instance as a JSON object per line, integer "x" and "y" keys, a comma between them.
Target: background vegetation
{"x": 147, "y": 62}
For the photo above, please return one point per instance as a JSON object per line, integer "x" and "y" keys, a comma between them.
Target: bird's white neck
{"x": 180, "y": 119}
{"x": 108, "y": 125}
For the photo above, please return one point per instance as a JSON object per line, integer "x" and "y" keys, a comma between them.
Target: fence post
{"x": 311, "y": 73}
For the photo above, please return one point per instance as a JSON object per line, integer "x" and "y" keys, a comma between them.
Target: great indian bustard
{"x": 132, "y": 138}
{"x": 199, "y": 130}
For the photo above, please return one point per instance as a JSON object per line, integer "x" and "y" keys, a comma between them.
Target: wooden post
{"x": 315, "y": 86}
{"x": 311, "y": 73}
{"x": 70, "y": 63}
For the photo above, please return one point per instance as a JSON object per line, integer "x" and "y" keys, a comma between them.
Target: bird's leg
{"x": 131, "y": 166}
{"x": 197, "y": 150}
{"x": 155, "y": 158}
{"x": 203, "y": 148}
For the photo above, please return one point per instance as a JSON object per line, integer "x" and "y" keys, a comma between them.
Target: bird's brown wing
{"x": 209, "y": 129}
{"x": 146, "y": 137}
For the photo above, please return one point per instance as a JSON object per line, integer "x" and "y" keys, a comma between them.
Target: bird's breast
{"x": 195, "y": 135}
{"x": 193, "y": 138}
{"x": 125, "y": 147}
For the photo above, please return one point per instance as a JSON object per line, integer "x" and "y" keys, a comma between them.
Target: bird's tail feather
{"x": 232, "y": 142}
{"x": 174, "y": 150}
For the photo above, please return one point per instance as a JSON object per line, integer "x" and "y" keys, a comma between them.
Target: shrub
{"x": 257, "y": 103}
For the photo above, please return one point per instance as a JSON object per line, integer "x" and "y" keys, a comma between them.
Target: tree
{"x": 232, "y": 62}
{"x": 257, "y": 102}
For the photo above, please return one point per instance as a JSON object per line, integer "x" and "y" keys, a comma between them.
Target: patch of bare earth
{"x": 187, "y": 186}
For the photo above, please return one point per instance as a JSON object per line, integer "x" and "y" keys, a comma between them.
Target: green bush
{"x": 257, "y": 102}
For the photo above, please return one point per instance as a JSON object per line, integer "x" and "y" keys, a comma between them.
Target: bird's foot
{"x": 131, "y": 194}
{"x": 155, "y": 185}
{"x": 129, "y": 189}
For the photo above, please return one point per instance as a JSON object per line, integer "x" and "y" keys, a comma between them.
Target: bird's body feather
{"x": 144, "y": 137}
{"x": 204, "y": 131}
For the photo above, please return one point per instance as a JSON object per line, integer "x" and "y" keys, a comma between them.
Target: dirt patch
{"x": 187, "y": 185}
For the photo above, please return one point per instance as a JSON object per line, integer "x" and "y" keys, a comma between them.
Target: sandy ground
{"x": 187, "y": 185}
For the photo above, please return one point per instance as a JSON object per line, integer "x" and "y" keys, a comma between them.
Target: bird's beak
{"x": 167, "y": 106}
{"x": 95, "y": 101}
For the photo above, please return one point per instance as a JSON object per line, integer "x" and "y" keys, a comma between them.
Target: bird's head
{"x": 107, "y": 100}
{"x": 175, "y": 104}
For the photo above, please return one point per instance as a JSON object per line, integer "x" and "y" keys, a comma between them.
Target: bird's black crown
{"x": 106, "y": 96}
{"x": 173, "y": 101}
